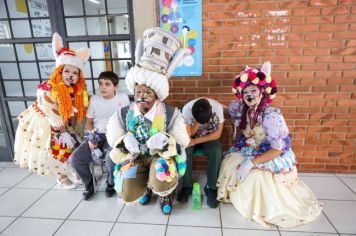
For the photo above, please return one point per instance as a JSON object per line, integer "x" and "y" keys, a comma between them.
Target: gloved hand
{"x": 243, "y": 170}
{"x": 157, "y": 141}
{"x": 67, "y": 139}
{"x": 131, "y": 144}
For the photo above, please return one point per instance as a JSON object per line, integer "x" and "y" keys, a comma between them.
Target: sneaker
{"x": 166, "y": 204}
{"x": 110, "y": 191}
{"x": 211, "y": 197}
{"x": 183, "y": 196}
{"x": 89, "y": 192}
{"x": 65, "y": 182}
{"x": 145, "y": 199}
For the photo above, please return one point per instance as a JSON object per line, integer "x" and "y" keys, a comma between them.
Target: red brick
{"x": 314, "y": 67}
{"x": 347, "y": 2}
{"x": 345, "y": 19}
{"x": 319, "y": 19}
{"x": 319, "y": 36}
{"x": 335, "y": 10}
{"x": 302, "y": 59}
{"x": 349, "y": 59}
{"x": 305, "y": 28}
{"x": 306, "y": 12}
{"x": 333, "y": 27}
{"x": 329, "y": 59}
{"x": 323, "y": 3}
{"x": 328, "y": 74}
{"x": 342, "y": 66}
{"x": 316, "y": 51}
{"x": 331, "y": 44}
{"x": 349, "y": 74}
{"x": 344, "y": 35}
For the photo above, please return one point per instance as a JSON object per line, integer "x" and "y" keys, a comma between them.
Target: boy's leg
{"x": 187, "y": 178}
{"x": 80, "y": 161}
{"x": 109, "y": 165}
{"x": 213, "y": 150}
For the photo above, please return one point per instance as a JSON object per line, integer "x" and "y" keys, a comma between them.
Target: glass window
{"x": 5, "y": 30}
{"x": 122, "y": 87}
{"x": 2, "y": 139}
{"x": 86, "y": 70}
{"x": 72, "y": 8}
{"x": 7, "y": 52}
{"x": 121, "y": 67}
{"x": 41, "y": 28}
{"x": 121, "y": 49}
{"x": 44, "y": 51}
{"x": 89, "y": 86}
{"x": 97, "y": 26}
{"x": 17, "y": 8}
{"x": 77, "y": 45}
{"x": 13, "y": 88}
{"x": 30, "y": 88}
{"x": 15, "y": 122}
{"x": 21, "y": 28}
{"x": 94, "y": 7}
{"x": 117, "y": 6}
{"x": 46, "y": 69}
{"x": 28, "y": 70}
{"x": 75, "y": 26}
{"x": 98, "y": 50}
{"x": 25, "y": 52}
{"x": 38, "y": 8}
{"x": 2, "y": 9}
{"x": 100, "y": 66}
{"x": 9, "y": 71}
{"x": 118, "y": 24}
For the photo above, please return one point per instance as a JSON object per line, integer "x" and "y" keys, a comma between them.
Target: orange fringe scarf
{"x": 61, "y": 92}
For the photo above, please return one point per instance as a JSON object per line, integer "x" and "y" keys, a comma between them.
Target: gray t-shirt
{"x": 212, "y": 125}
{"x": 101, "y": 109}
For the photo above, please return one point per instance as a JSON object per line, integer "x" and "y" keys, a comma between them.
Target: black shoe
{"x": 89, "y": 192}
{"x": 211, "y": 197}
{"x": 110, "y": 191}
{"x": 183, "y": 196}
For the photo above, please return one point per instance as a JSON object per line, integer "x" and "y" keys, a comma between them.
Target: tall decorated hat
{"x": 157, "y": 55}
{"x": 67, "y": 56}
{"x": 256, "y": 76}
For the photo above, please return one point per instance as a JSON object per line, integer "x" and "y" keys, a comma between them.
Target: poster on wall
{"x": 184, "y": 19}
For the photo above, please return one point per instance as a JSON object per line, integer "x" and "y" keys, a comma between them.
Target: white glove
{"x": 157, "y": 141}
{"x": 131, "y": 144}
{"x": 67, "y": 139}
{"x": 243, "y": 170}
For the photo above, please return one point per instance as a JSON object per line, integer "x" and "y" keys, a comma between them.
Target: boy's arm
{"x": 209, "y": 137}
{"x": 193, "y": 128}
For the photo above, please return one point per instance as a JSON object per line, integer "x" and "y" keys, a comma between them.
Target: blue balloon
{"x": 191, "y": 42}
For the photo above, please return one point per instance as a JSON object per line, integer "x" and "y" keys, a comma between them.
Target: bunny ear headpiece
{"x": 157, "y": 56}
{"x": 255, "y": 76}
{"x": 68, "y": 56}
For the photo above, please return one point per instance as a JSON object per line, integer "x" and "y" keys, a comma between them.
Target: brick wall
{"x": 312, "y": 47}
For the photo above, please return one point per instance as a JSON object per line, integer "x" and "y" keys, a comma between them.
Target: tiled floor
{"x": 33, "y": 205}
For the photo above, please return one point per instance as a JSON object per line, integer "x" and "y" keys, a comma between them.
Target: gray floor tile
{"x": 11, "y": 176}
{"x": 16, "y": 201}
{"x": 3, "y": 190}
{"x": 148, "y": 214}
{"x": 5, "y": 221}
{"x": 183, "y": 214}
{"x": 32, "y": 226}
{"x": 330, "y": 188}
{"x": 350, "y": 182}
{"x": 37, "y": 182}
{"x": 196, "y": 231}
{"x": 321, "y": 225}
{"x": 342, "y": 215}
{"x": 231, "y": 218}
{"x": 55, "y": 204}
{"x": 100, "y": 208}
{"x": 234, "y": 232}
{"x": 8, "y": 165}
{"x": 138, "y": 229}
{"x": 305, "y": 234}
{"x": 87, "y": 228}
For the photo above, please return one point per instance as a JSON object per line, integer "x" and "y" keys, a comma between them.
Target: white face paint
{"x": 252, "y": 95}
{"x": 70, "y": 75}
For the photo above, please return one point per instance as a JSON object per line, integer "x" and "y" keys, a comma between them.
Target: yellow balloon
{"x": 165, "y": 10}
{"x": 193, "y": 34}
{"x": 167, "y": 26}
{"x": 28, "y": 48}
